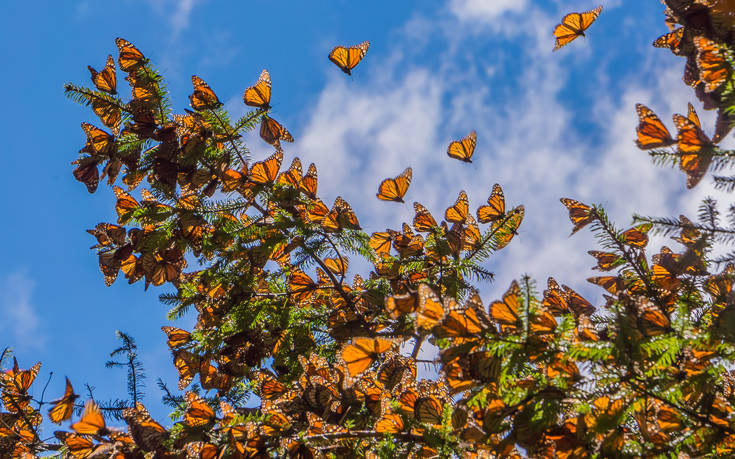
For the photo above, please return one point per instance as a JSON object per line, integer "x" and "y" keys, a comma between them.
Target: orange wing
{"x": 573, "y": 25}
{"x": 259, "y": 95}
{"x": 423, "y": 221}
{"x": 130, "y": 58}
{"x": 62, "y": 409}
{"x": 713, "y": 68}
{"x": 652, "y": 133}
{"x": 292, "y": 176}
{"x": 464, "y": 148}
{"x": 671, "y": 40}
{"x": 393, "y": 189}
{"x": 266, "y": 171}
{"x": 273, "y": 132}
{"x": 203, "y": 97}
{"x": 310, "y": 181}
{"x": 198, "y": 412}
{"x": 506, "y": 312}
{"x": 580, "y": 214}
{"x": 694, "y": 149}
{"x": 347, "y": 58}
{"x": 457, "y": 213}
{"x": 495, "y": 207}
{"x": 106, "y": 80}
{"x": 92, "y": 422}
{"x": 362, "y": 352}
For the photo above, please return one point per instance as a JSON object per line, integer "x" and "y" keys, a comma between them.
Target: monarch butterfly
{"x": 457, "y": 213}
{"x": 266, "y": 171}
{"x": 506, "y": 312}
{"x": 650, "y": 320}
{"x": 99, "y": 142}
{"x": 187, "y": 364}
{"x": 78, "y": 445}
{"x": 273, "y": 132}
{"x": 292, "y": 175}
{"x": 652, "y": 133}
{"x": 460, "y": 323}
{"x": 389, "y": 423}
{"x": 309, "y": 182}
{"x": 91, "y": 422}
{"x": 198, "y": 412}
{"x": 105, "y": 80}
{"x": 423, "y": 221}
{"x": 507, "y": 228}
{"x": 637, "y": 236}
{"x": 301, "y": 286}
{"x": 268, "y": 386}
{"x": 430, "y": 310}
{"x": 176, "y": 336}
{"x": 203, "y": 98}
{"x": 62, "y": 409}
{"x": 18, "y": 381}
{"x": 713, "y": 68}
{"x": 429, "y": 410}
{"x": 612, "y": 284}
{"x": 259, "y": 95}
{"x": 573, "y": 25}
{"x": 347, "y": 58}
{"x": 580, "y": 214}
{"x": 340, "y": 217}
{"x": 380, "y": 242}
{"x": 693, "y": 146}
{"x": 87, "y": 172}
{"x": 393, "y": 189}
{"x": 495, "y": 207}
{"x": 337, "y": 265}
{"x": 472, "y": 237}
{"x": 671, "y": 40}
{"x": 147, "y": 433}
{"x": 362, "y": 352}
{"x": 464, "y": 148}
{"x": 130, "y": 58}
{"x": 605, "y": 260}
{"x": 200, "y": 450}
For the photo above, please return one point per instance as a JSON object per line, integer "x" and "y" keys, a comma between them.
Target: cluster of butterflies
{"x": 701, "y": 37}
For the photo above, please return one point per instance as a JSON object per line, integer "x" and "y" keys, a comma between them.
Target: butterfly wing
{"x": 393, "y": 189}
{"x": 347, "y": 58}
{"x": 273, "y": 132}
{"x": 713, "y": 68}
{"x": 266, "y": 171}
{"x": 495, "y": 207}
{"x": 457, "y": 213}
{"x": 573, "y": 25}
{"x": 651, "y": 132}
{"x": 203, "y": 98}
{"x": 259, "y": 95}
{"x": 464, "y": 148}
{"x": 130, "y": 59}
{"x": 105, "y": 80}
{"x": 693, "y": 146}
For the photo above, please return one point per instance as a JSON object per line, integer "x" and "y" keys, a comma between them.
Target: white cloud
{"x": 484, "y": 10}
{"x": 178, "y": 12}
{"x": 19, "y": 316}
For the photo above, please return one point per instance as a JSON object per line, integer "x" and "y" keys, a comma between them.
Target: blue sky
{"x": 549, "y": 125}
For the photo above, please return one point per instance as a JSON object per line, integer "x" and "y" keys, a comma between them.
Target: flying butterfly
{"x": 130, "y": 59}
{"x": 464, "y": 148}
{"x": 362, "y": 352}
{"x": 393, "y": 189}
{"x": 573, "y": 25}
{"x": 495, "y": 207}
{"x": 203, "y": 98}
{"x": 273, "y": 132}
{"x": 91, "y": 422}
{"x": 105, "y": 80}
{"x": 652, "y": 133}
{"x": 713, "y": 68}
{"x": 457, "y": 213}
{"x": 62, "y": 409}
{"x": 580, "y": 214}
{"x": 259, "y": 95}
{"x": 347, "y": 58}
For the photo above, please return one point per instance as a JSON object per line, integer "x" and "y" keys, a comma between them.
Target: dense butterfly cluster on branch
{"x": 291, "y": 357}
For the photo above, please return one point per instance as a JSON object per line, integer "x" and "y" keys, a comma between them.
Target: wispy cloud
{"x": 178, "y": 13}
{"x": 528, "y": 141}
{"x": 19, "y": 319}
{"x": 484, "y": 10}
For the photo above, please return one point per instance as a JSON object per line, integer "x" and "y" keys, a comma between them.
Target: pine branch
{"x": 136, "y": 375}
